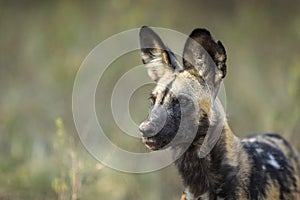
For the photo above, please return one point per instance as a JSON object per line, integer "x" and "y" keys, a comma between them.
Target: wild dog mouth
{"x": 149, "y": 143}
{"x": 155, "y": 143}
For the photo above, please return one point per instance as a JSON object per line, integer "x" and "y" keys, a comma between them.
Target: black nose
{"x": 147, "y": 129}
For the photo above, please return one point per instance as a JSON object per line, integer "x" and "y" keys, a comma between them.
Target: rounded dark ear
{"x": 200, "y": 42}
{"x": 207, "y": 56}
{"x": 155, "y": 54}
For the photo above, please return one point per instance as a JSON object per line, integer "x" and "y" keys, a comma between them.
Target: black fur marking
{"x": 166, "y": 91}
{"x": 273, "y": 135}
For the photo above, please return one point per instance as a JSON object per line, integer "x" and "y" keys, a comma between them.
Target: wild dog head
{"x": 184, "y": 94}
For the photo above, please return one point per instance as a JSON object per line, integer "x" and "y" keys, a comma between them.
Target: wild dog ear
{"x": 155, "y": 55}
{"x": 207, "y": 56}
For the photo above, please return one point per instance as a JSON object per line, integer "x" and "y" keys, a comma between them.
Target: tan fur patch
{"x": 233, "y": 146}
{"x": 205, "y": 105}
{"x": 165, "y": 58}
{"x": 183, "y": 197}
{"x": 273, "y": 191}
{"x": 245, "y": 169}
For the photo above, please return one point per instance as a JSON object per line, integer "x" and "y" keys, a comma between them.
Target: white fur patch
{"x": 205, "y": 196}
{"x": 250, "y": 139}
{"x": 273, "y": 161}
{"x": 259, "y": 150}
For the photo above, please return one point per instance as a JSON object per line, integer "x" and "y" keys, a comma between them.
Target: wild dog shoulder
{"x": 274, "y": 167}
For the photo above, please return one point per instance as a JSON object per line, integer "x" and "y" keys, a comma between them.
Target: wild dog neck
{"x": 203, "y": 176}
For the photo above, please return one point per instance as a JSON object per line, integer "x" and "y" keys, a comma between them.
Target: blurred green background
{"x": 42, "y": 44}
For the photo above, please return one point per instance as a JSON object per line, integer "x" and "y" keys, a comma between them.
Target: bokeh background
{"x": 43, "y": 43}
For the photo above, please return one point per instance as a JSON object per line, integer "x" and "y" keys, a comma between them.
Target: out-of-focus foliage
{"x": 42, "y": 44}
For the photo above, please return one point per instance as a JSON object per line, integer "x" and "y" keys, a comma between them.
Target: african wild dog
{"x": 262, "y": 166}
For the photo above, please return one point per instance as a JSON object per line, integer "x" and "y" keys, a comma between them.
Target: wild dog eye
{"x": 152, "y": 99}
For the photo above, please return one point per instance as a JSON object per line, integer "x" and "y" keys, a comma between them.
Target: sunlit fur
{"x": 261, "y": 166}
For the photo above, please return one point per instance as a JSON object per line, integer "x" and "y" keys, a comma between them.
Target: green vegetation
{"x": 42, "y": 44}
